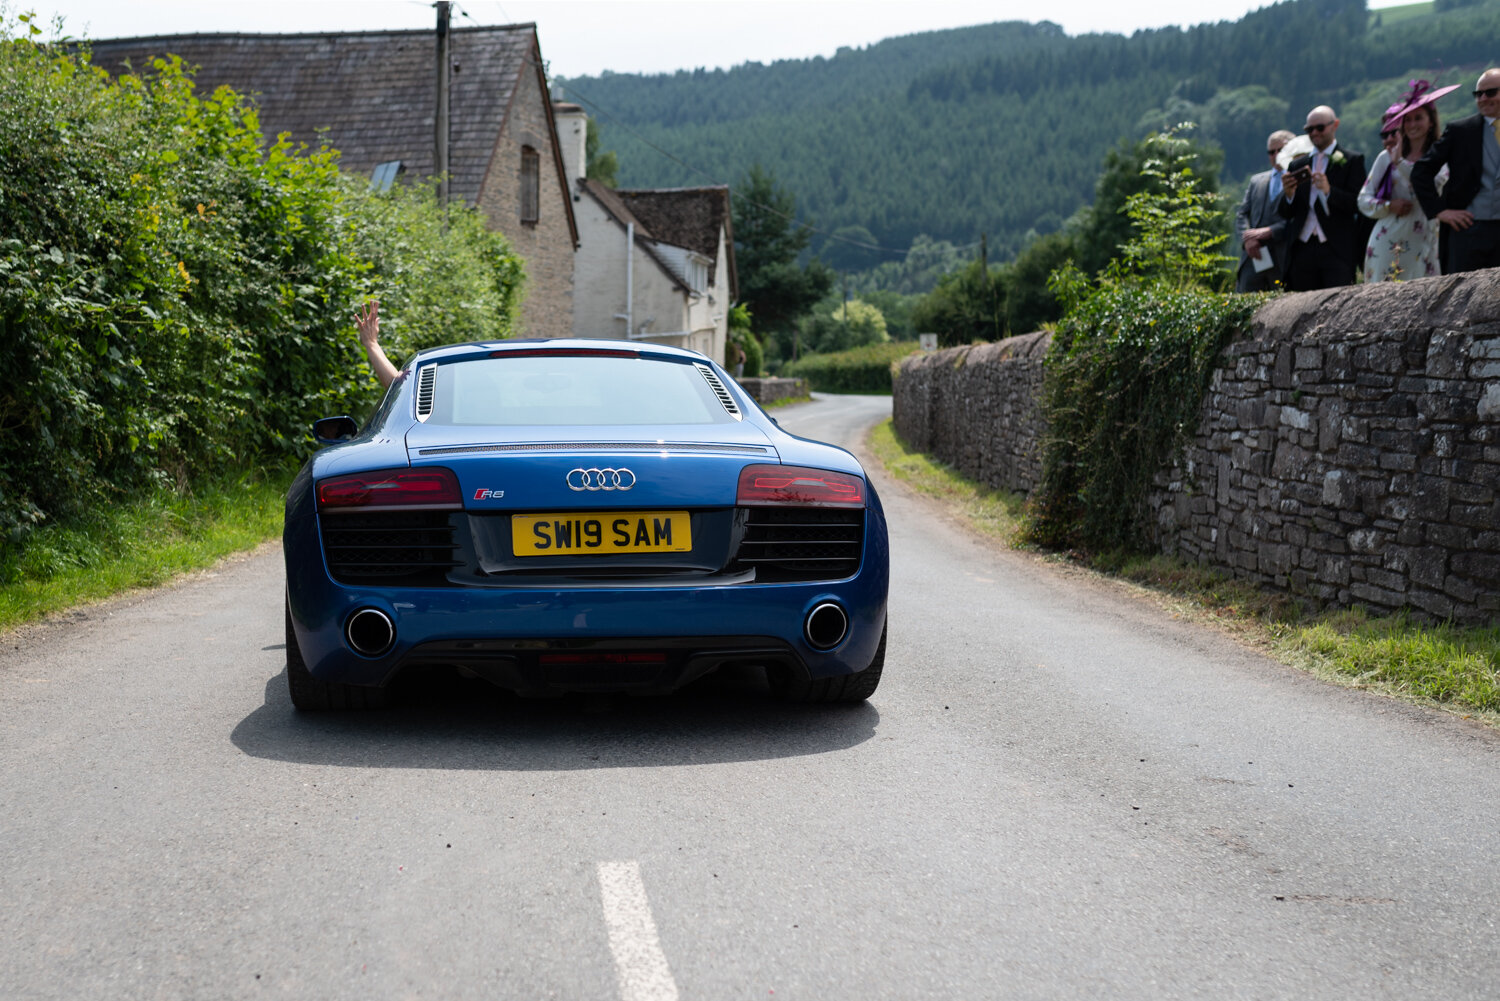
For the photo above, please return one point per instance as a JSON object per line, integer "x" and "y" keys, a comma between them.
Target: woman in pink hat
{"x": 1404, "y": 243}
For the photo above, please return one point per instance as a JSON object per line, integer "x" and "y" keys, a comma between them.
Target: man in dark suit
{"x": 1259, "y": 228}
{"x": 1469, "y": 207}
{"x": 1321, "y": 206}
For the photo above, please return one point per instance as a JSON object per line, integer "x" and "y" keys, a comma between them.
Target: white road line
{"x": 640, "y": 964}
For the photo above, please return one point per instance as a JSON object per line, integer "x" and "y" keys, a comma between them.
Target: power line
{"x": 603, "y": 112}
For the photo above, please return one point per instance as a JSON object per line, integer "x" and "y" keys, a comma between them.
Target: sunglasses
{"x": 1488, "y": 92}
{"x": 1319, "y": 127}
{"x": 1273, "y": 152}
{"x": 1388, "y": 133}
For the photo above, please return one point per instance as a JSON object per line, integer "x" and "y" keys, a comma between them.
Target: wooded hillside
{"x": 1002, "y": 129}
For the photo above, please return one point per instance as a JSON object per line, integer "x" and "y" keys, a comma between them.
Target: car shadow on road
{"x": 457, "y": 724}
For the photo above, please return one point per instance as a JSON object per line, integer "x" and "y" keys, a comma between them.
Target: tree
{"x": 741, "y": 338}
{"x": 601, "y": 167}
{"x": 896, "y": 308}
{"x": 851, "y": 248}
{"x": 1029, "y": 303}
{"x": 926, "y": 261}
{"x": 844, "y": 326}
{"x": 767, "y": 243}
{"x": 1175, "y": 218}
{"x": 966, "y": 306}
{"x": 1104, "y": 228}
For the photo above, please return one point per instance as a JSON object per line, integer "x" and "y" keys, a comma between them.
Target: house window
{"x": 531, "y": 185}
{"x": 384, "y": 175}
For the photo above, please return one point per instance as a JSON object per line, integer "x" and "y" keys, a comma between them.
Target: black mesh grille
{"x": 802, "y": 543}
{"x": 406, "y": 547}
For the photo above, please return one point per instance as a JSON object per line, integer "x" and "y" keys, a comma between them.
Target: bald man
{"x": 1321, "y": 206}
{"x": 1469, "y": 207}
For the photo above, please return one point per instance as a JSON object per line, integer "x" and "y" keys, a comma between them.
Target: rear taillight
{"x": 404, "y": 489}
{"x": 800, "y": 486}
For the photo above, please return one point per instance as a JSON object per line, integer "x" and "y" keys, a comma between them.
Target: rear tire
{"x": 843, "y": 688}
{"x": 310, "y": 694}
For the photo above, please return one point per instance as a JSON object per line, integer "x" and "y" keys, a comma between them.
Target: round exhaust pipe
{"x": 370, "y": 632}
{"x": 826, "y": 626}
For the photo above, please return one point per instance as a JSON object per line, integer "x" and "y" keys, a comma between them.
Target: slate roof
{"x": 610, "y": 199}
{"x": 373, "y": 91}
{"x": 687, "y": 217}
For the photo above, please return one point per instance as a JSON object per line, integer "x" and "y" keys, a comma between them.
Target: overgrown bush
{"x": 741, "y": 336}
{"x": 1124, "y": 384}
{"x": 1131, "y": 360}
{"x": 176, "y": 294}
{"x": 966, "y": 306}
{"x": 836, "y": 325}
{"x": 860, "y": 370}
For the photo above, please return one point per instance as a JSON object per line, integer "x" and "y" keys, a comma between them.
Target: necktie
{"x": 1495, "y": 128}
{"x": 1311, "y": 228}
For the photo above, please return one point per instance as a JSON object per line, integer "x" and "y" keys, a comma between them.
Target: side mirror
{"x": 332, "y": 430}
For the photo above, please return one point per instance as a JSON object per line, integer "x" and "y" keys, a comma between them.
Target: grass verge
{"x": 993, "y": 512}
{"x": 1451, "y": 667}
{"x": 148, "y": 541}
{"x": 785, "y": 401}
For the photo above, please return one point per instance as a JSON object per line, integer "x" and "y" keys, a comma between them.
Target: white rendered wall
{"x": 572, "y": 138}
{"x": 599, "y": 278}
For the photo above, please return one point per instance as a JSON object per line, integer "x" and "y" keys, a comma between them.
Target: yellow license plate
{"x": 600, "y": 533}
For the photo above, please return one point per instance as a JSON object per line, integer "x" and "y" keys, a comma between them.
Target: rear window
{"x": 554, "y": 390}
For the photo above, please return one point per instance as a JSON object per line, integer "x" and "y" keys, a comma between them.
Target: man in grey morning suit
{"x": 1470, "y": 203}
{"x": 1257, "y": 224}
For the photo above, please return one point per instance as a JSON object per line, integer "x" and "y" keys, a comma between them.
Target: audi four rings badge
{"x": 600, "y": 479}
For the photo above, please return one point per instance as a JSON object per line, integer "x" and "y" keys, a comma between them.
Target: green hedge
{"x": 1124, "y": 384}
{"x": 859, "y": 370}
{"x": 177, "y": 294}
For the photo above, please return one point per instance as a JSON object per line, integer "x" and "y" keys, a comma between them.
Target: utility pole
{"x": 440, "y": 125}
{"x": 984, "y": 276}
{"x": 845, "y": 278}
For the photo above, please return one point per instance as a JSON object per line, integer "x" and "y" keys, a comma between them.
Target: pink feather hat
{"x": 1418, "y": 94}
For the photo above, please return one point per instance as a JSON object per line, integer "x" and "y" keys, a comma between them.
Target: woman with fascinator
{"x": 1404, "y": 243}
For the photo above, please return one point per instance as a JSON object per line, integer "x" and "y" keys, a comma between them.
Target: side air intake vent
{"x": 722, "y": 393}
{"x": 389, "y": 548}
{"x": 426, "y": 389}
{"x": 802, "y": 544}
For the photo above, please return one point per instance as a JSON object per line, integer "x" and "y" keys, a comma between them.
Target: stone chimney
{"x": 572, "y": 134}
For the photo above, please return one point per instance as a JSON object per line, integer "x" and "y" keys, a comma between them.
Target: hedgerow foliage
{"x": 1130, "y": 363}
{"x": 864, "y": 369}
{"x": 176, "y": 293}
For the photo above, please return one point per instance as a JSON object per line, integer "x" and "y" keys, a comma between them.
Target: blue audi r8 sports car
{"x": 579, "y": 515}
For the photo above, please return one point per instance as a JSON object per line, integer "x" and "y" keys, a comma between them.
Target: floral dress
{"x": 1401, "y": 247}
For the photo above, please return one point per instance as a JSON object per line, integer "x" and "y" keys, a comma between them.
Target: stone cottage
{"x": 373, "y": 96}
{"x": 653, "y": 265}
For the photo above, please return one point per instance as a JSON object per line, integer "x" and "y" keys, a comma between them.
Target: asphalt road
{"x": 1059, "y": 791}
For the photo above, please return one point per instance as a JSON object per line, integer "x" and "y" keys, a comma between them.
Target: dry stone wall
{"x": 1348, "y": 449}
{"x": 770, "y": 390}
{"x": 976, "y": 408}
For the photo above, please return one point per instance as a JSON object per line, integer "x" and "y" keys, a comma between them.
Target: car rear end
{"x": 529, "y": 543}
